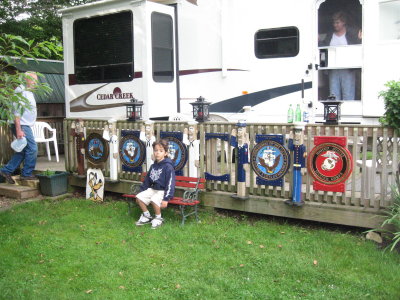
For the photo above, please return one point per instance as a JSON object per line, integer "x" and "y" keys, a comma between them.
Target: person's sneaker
{"x": 156, "y": 222}
{"x": 7, "y": 177}
{"x": 31, "y": 177}
{"x": 143, "y": 220}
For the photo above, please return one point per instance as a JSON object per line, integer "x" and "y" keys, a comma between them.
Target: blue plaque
{"x": 270, "y": 160}
{"x": 132, "y": 151}
{"x": 96, "y": 148}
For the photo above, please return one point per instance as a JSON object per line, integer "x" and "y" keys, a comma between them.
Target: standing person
{"x": 342, "y": 82}
{"x": 22, "y": 128}
{"x": 158, "y": 187}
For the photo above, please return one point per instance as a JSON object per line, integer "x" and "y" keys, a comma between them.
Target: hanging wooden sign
{"x": 95, "y": 185}
{"x": 132, "y": 151}
{"x": 330, "y": 163}
{"x": 177, "y": 151}
{"x": 270, "y": 160}
{"x": 96, "y": 149}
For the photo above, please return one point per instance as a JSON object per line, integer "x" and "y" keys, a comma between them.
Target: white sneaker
{"x": 156, "y": 222}
{"x": 143, "y": 220}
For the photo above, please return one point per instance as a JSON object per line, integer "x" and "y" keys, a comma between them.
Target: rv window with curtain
{"x": 162, "y": 47}
{"x": 276, "y": 42}
{"x": 103, "y": 48}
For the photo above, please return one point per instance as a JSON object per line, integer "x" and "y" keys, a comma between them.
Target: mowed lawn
{"x": 76, "y": 249}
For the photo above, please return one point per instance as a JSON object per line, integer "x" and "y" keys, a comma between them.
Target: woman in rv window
{"x": 342, "y": 81}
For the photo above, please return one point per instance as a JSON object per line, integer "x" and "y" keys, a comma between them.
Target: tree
{"x": 14, "y": 48}
{"x": 34, "y": 19}
{"x": 391, "y": 97}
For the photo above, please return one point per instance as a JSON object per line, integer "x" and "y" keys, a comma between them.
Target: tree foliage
{"x": 12, "y": 49}
{"x": 35, "y": 19}
{"x": 391, "y": 97}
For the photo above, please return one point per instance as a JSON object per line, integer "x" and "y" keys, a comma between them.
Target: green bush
{"x": 393, "y": 216}
{"x": 391, "y": 97}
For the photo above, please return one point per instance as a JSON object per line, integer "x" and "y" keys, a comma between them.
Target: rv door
{"x": 159, "y": 63}
{"x": 339, "y": 56}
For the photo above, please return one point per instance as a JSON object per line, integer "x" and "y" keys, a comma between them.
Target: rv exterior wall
{"x": 245, "y": 71}
{"x": 159, "y": 98}
{"x": 218, "y": 60}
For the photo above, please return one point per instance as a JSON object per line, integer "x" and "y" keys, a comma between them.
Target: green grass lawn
{"x": 76, "y": 249}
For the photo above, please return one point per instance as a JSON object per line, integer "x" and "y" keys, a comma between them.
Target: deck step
{"x": 30, "y": 183}
{"x": 18, "y": 191}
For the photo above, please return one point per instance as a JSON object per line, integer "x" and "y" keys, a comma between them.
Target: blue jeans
{"x": 28, "y": 155}
{"x": 342, "y": 84}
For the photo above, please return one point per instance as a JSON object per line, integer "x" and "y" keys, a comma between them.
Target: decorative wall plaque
{"x": 330, "y": 163}
{"x": 132, "y": 151}
{"x": 96, "y": 149}
{"x": 270, "y": 159}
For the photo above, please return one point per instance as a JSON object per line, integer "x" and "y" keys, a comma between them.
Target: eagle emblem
{"x": 269, "y": 160}
{"x": 330, "y": 160}
{"x": 130, "y": 151}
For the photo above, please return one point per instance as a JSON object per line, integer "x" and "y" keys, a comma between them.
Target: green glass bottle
{"x": 298, "y": 113}
{"x": 290, "y": 114}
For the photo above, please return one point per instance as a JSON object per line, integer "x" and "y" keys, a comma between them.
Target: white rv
{"x": 263, "y": 54}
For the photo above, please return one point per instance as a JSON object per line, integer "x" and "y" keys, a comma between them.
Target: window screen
{"x": 103, "y": 48}
{"x": 276, "y": 42}
{"x": 162, "y": 47}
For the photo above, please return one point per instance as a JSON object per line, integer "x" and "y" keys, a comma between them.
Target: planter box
{"x": 53, "y": 185}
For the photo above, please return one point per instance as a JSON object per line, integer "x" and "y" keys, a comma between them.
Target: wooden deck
{"x": 375, "y": 152}
{"x": 356, "y": 207}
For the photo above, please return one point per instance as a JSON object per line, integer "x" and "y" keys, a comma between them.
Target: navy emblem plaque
{"x": 176, "y": 152}
{"x": 270, "y": 161}
{"x": 132, "y": 151}
{"x": 96, "y": 148}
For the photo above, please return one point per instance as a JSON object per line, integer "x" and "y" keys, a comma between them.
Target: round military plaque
{"x": 132, "y": 151}
{"x": 96, "y": 148}
{"x": 330, "y": 163}
{"x": 270, "y": 160}
{"x": 176, "y": 152}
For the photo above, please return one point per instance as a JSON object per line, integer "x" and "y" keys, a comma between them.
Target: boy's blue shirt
{"x": 161, "y": 176}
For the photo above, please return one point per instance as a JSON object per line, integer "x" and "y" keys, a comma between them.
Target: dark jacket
{"x": 351, "y": 37}
{"x": 161, "y": 176}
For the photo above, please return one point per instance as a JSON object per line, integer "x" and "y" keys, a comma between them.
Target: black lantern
{"x": 200, "y": 109}
{"x": 134, "y": 110}
{"x": 331, "y": 110}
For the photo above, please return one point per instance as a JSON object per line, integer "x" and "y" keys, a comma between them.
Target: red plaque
{"x": 330, "y": 164}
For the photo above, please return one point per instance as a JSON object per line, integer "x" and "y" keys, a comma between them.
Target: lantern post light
{"x": 134, "y": 110}
{"x": 200, "y": 109}
{"x": 332, "y": 110}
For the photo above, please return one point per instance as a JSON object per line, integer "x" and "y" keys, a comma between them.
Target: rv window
{"x": 103, "y": 48}
{"x": 162, "y": 47}
{"x": 276, "y": 42}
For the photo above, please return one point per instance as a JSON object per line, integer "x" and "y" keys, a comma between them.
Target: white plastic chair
{"x": 40, "y": 137}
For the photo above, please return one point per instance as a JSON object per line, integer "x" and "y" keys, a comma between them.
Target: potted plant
{"x": 53, "y": 183}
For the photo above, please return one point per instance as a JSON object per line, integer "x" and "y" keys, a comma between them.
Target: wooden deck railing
{"x": 5, "y": 140}
{"x": 375, "y": 152}
{"x": 373, "y": 148}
